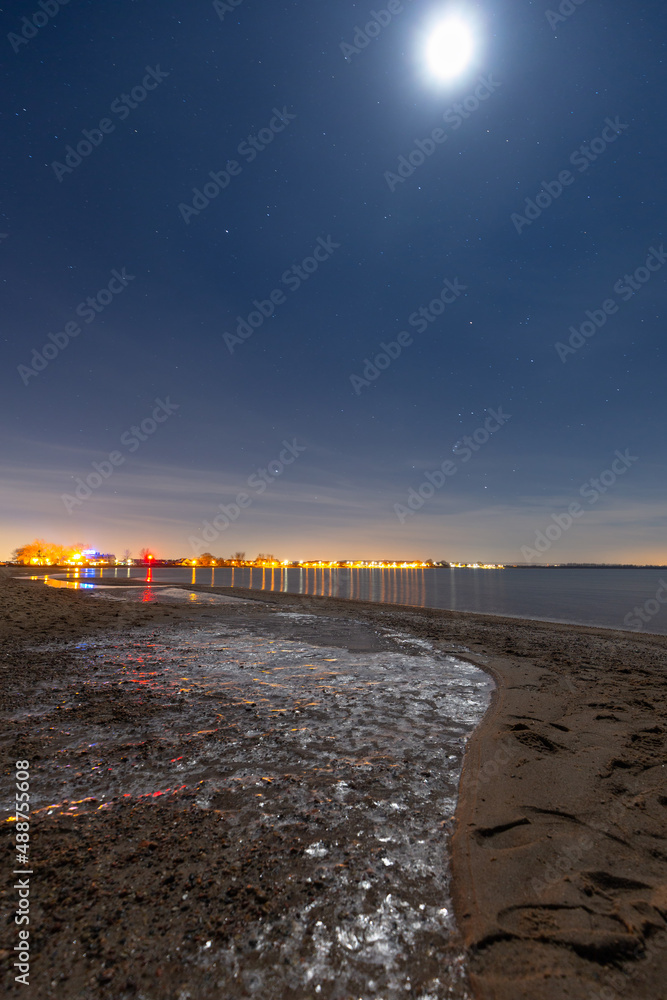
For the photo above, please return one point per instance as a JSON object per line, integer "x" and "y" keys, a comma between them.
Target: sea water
{"x": 602, "y": 597}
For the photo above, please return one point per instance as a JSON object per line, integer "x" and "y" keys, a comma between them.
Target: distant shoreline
{"x": 170, "y": 563}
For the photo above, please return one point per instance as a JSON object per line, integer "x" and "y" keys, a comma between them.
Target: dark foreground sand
{"x": 559, "y": 852}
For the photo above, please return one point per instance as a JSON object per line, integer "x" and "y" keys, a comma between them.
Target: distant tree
{"x": 238, "y": 557}
{"x": 127, "y": 555}
{"x": 26, "y": 553}
{"x": 43, "y": 553}
{"x": 146, "y": 555}
{"x": 206, "y": 559}
{"x": 264, "y": 558}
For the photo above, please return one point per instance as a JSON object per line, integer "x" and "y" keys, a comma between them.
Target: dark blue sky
{"x": 327, "y": 174}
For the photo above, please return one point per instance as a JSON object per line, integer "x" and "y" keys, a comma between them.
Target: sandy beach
{"x": 558, "y": 847}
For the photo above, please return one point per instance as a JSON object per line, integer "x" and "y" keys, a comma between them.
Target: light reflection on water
{"x": 147, "y": 595}
{"x": 69, "y": 584}
{"x": 587, "y": 596}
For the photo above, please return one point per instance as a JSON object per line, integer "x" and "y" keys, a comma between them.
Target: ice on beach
{"x": 356, "y": 756}
{"x": 150, "y": 594}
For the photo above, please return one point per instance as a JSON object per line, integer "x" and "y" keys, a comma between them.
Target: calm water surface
{"x": 604, "y": 597}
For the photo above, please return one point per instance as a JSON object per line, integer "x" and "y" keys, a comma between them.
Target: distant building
{"x": 91, "y": 557}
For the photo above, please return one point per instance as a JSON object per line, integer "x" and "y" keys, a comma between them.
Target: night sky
{"x": 310, "y": 207}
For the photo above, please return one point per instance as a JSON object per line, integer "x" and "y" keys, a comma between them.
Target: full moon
{"x": 449, "y": 48}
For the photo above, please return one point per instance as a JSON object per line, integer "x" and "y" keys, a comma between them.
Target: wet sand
{"x": 559, "y": 850}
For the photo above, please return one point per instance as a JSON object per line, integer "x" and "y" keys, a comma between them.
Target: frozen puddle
{"x": 160, "y": 593}
{"x": 353, "y": 757}
{"x": 146, "y": 593}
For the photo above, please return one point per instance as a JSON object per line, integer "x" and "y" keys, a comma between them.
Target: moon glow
{"x": 449, "y": 48}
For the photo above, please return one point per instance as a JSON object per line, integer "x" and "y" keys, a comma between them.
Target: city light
{"x": 476, "y": 566}
{"x": 41, "y": 553}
